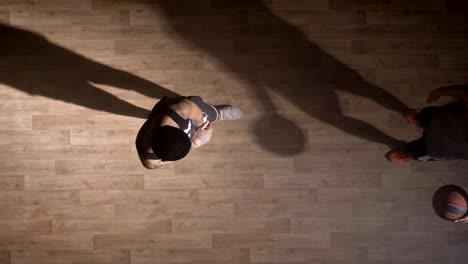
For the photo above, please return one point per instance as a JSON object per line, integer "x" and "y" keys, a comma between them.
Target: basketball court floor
{"x": 300, "y": 179}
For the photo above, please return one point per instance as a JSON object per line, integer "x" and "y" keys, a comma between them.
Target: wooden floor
{"x": 300, "y": 179}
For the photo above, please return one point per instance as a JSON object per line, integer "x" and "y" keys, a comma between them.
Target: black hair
{"x": 170, "y": 143}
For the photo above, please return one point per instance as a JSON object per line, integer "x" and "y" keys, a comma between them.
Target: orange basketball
{"x": 456, "y": 206}
{"x": 450, "y": 202}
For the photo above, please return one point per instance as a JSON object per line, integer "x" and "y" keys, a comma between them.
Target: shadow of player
{"x": 281, "y": 60}
{"x": 30, "y": 63}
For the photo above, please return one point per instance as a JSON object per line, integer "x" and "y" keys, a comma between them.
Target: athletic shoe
{"x": 228, "y": 112}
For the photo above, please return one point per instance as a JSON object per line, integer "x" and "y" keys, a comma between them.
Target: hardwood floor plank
{"x": 422, "y": 223}
{"x": 59, "y": 211}
{"x": 22, "y": 167}
{"x": 39, "y": 227}
{"x": 374, "y": 194}
{"x": 408, "y": 47}
{"x": 321, "y": 180}
{"x": 90, "y": 47}
{"x": 166, "y": 46}
{"x": 457, "y": 238}
{"x": 392, "y": 209}
{"x": 21, "y": 198}
{"x": 379, "y": 4}
{"x": 378, "y": 61}
{"x": 112, "y": 197}
{"x": 5, "y": 16}
{"x": 312, "y": 240}
{"x": 231, "y": 225}
{"x": 418, "y": 17}
{"x": 71, "y": 256}
{"x": 45, "y": 242}
{"x": 15, "y": 122}
{"x": 298, "y": 5}
{"x": 258, "y": 195}
{"x": 99, "y": 227}
{"x": 102, "y": 137}
{"x": 67, "y": 18}
{"x": 301, "y": 18}
{"x": 173, "y": 210}
{"x": 194, "y": 165}
{"x": 84, "y": 182}
{"x": 306, "y": 255}
{"x": 452, "y": 62}
{"x": 34, "y": 137}
{"x": 310, "y": 225}
{"x": 374, "y": 239}
{"x": 203, "y": 181}
{"x": 185, "y": 256}
{"x": 103, "y": 32}
{"x": 5, "y": 257}
{"x": 154, "y": 62}
{"x": 305, "y": 209}
{"x": 47, "y": 5}
{"x": 100, "y": 167}
{"x": 93, "y": 122}
{"x": 69, "y": 152}
{"x": 11, "y": 183}
{"x": 156, "y": 17}
{"x": 408, "y": 179}
{"x": 173, "y": 241}
{"x": 418, "y": 254}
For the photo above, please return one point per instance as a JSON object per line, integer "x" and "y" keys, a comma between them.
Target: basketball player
{"x": 445, "y": 135}
{"x": 177, "y": 125}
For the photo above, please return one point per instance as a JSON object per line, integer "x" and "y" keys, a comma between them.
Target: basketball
{"x": 450, "y": 202}
{"x": 456, "y": 206}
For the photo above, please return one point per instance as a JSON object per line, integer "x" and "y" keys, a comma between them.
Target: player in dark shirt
{"x": 177, "y": 125}
{"x": 445, "y": 133}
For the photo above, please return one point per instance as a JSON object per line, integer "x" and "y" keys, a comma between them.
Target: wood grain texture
{"x": 300, "y": 179}
{"x": 173, "y": 210}
{"x": 199, "y": 256}
{"x": 5, "y": 257}
{"x": 96, "y": 227}
{"x": 45, "y": 242}
{"x": 252, "y": 240}
{"x": 224, "y": 225}
{"x": 171, "y": 241}
{"x": 72, "y": 256}
{"x": 56, "y": 211}
{"x": 85, "y": 182}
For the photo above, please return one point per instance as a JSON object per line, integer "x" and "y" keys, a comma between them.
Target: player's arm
{"x": 458, "y": 91}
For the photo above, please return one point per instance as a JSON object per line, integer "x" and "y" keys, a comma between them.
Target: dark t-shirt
{"x": 447, "y": 134}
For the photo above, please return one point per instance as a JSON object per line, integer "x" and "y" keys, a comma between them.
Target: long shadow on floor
{"x": 245, "y": 36}
{"x": 30, "y": 63}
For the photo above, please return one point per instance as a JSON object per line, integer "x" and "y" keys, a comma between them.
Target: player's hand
{"x": 462, "y": 220}
{"x": 164, "y": 163}
{"x": 203, "y": 134}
